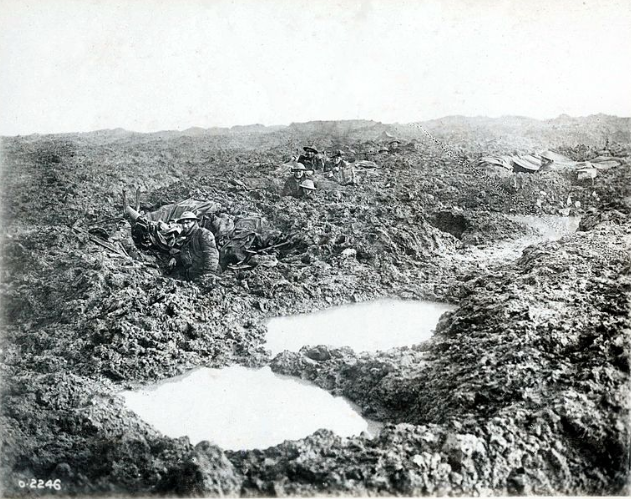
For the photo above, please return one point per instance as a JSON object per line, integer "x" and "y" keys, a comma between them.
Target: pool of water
{"x": 239, "y": 408}
{"x": 365, "y": 327}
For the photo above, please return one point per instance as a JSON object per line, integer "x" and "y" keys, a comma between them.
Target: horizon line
{"x": 231, "y": 127}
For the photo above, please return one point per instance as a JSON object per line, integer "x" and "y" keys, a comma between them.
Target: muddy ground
{"x": 524, "y": 389}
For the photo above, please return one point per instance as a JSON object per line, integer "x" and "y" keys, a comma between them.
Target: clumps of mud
{"x": 531, "y": 375}
{"x": 520, "y": 391}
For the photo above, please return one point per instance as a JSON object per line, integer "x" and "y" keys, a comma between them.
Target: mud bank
{"x": 522, "y": 389}
{"x": 529, "y": 375}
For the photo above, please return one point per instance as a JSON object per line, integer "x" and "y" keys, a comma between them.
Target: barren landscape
{"x": 522, "y": 389}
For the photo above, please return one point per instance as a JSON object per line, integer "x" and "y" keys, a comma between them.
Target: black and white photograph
{"x": 271, "y": 248}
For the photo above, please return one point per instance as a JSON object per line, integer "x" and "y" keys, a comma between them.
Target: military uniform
{"x": 199, "y": 255}
{"x": 292, "y": 187}
{"x": 311, "y": 164}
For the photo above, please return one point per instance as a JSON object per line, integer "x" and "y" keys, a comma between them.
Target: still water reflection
{"x": 370, "y": 326}
{"x": 240, "y": 408}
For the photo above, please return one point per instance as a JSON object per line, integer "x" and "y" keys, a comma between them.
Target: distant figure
{"x": 292, "y": 184}
{"x": 327, "y": 161}
{"x": 198, "y": 255}
{"x": 307, "y": 189}
{"x": 310, "y": 160}
{"x": 518, "y": 180}
{"x": 393, "y": 145}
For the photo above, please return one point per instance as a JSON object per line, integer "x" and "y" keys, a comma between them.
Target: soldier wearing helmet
{"x": 307, "y": 189}
{"x": 198, "y": 255}
{"x": 292, "y": 184}
{"x": 393, "y": 145}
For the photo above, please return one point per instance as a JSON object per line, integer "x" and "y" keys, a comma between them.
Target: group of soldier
{"x": 335, "y": 168}
{"x": 180, "y": 231}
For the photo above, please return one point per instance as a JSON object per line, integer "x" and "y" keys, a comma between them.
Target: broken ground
{"x": 524, "y": 388}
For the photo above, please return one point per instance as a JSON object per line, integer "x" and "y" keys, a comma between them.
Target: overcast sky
{"x": 149, "y": 65}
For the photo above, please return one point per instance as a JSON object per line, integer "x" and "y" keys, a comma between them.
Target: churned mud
{"x": 523, "y": 389}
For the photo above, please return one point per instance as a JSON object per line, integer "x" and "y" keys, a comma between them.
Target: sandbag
{"x": 503, "y": 161}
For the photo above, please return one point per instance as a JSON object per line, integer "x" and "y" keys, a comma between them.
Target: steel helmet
{"x": 187, "y": 215}
{"x": 298, "y": 167}
{"x": 308, "y": 184}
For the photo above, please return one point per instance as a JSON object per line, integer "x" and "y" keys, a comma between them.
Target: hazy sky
{"x": 79, "y": 65}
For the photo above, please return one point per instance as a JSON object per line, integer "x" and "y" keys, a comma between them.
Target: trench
{"x": 547, "y": 228}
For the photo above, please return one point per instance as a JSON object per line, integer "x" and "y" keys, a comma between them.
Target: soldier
{"x": 310, "y": 160}
{"x": 343, "y": 172}
{"x": 292, "y": 184}
{"x": 198, "y": 255}
{"x": 307, "y": 189}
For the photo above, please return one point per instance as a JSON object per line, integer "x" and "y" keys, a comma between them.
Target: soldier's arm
{"x": 210, "y": 254}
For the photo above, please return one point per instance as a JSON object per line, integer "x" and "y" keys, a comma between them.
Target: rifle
{"x": 117, "y": 250}
{"x": 95, "y": 239}
{"x": 243, "y": 263}
{"x": 262, "y": 250}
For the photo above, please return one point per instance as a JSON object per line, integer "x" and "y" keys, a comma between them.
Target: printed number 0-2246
{"x": 40, "y": 484}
